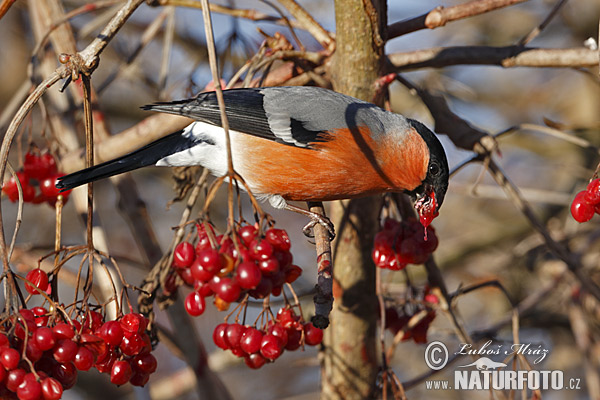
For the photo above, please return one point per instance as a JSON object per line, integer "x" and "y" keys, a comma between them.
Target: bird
{"x": 297, "y": 143}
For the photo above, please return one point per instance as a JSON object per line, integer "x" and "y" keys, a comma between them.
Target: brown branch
{"x": 440, "y": 16}
{"x": 324, "y": 289}
{"x": 506, "y": 57}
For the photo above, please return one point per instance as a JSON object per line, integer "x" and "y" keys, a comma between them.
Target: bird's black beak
{"x": 426, "y": 205}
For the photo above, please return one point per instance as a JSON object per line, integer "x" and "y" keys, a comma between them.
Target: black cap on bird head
{"x": 429, "y": 196}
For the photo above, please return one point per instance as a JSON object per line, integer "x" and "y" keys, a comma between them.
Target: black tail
{"x": 147, "y": 155}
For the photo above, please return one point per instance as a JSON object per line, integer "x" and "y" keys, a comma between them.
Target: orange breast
{"x": 351, "y": 165}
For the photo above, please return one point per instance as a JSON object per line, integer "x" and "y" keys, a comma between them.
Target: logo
{"x": 485, "y": 373}
{"x": 485, "y": 363}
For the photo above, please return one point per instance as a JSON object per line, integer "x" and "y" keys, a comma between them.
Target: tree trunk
{"x": 350, "y": 365}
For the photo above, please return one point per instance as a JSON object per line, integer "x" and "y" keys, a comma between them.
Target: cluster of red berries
{"x": 39, "y": 170}
{"x": 402, "y": 243}
{"x": 398, "y": 319}
{"x": 587, "y": 202}
{"x": 259, "y": 346}
{"x": 58, "y": 349}
{"x": 259, "y": 266}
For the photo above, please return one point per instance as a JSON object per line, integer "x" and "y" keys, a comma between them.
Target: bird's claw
{"x": 321, "y": 220}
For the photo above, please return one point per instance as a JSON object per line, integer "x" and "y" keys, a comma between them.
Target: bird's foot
{"x": 321, "y": 220}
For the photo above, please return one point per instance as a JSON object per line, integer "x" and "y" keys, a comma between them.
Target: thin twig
{"x": 440, "y": 16}
{"x": 167, "y": 48}
{"x": 538, "y": 29}
{"x": 324, "y": 288}
{"x": 506, "y": 57}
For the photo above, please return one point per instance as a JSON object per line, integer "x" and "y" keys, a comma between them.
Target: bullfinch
{"x": 297, "y": 144}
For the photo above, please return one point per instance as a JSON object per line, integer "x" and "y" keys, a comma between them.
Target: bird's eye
{"x": 434, "y": 169}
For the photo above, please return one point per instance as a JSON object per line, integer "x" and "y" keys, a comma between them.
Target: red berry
{"x": 145, "y": 363}
{"x": 33, "y": 352}
{"x": 312, "y": 335}
{"x": 219, "y": 336}
{"x": 106, "y": 361}
{"x": 139, "y": 379}
{"x": 286, "y": 317}
{"x": 39, "y": 166}
{"x": 292, "y": 273}
{"x": 581, "y": 209}
{"x": 260, "y": 249}
{"x": 248, "y": 275}
{"x": 39, "y": 279}
{"x": 431, "y": 298}
{"x": 84, "y": 359}
{"x": 593, "y": 192}
{"x": 186, "y": 275}
{"x": 134, "y": 323}
{"x": 62, "y": 330}
{"x": 203, "y": 288}
{"x": 263, "y": 289}
{"x": 41, "y": 317}
{"x": 279, "y": 331}
{"x": 93, "y": 320}
{"x": 210, "y": 260}
{"x": 271, "y": 346}
{"x": 14, "y": 379}
{"x": 3, "y": 343}
{"x": 132, "y": 345}
{"x": 227, "y": 289}
{"x": 51, "y": 389}
{"x": 30, "y": 388}
{"x": 284, "y": 258}
{"x": 65, "y": 351}
{"x": 121, "y": 373}
{"x": 111, "y": 332}
{"x": 251, "y": 340}
{"x": 270, "y": 266}
{"x": 247, "y": 233}
{"x": 200, "y": 273}
{"x": 233, "y": 335}
{"x": 11, "y": 189}
{"x": 10, "y": 358}
{"x": 49, "y": 190}
{"x": 195, "y": 304}
{"x": 184, "y": 255}
{"x": 278, "y": 238}
{"x": 294, "y": 339}
{"x": 255, "y": 361}
{"x": 66, "y": 374}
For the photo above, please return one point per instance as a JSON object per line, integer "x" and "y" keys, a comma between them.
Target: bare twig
{"x": 149, "y": 33}
{"x": 167, "y": 47}
{"x": 538, "y": 29}
{"x": 252, "y": 15}
{"x": 440, "y": 16}
{"x": 71, "y": 14}
{"x": 324, "y": 288}
{"x": 507, "y": 57}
